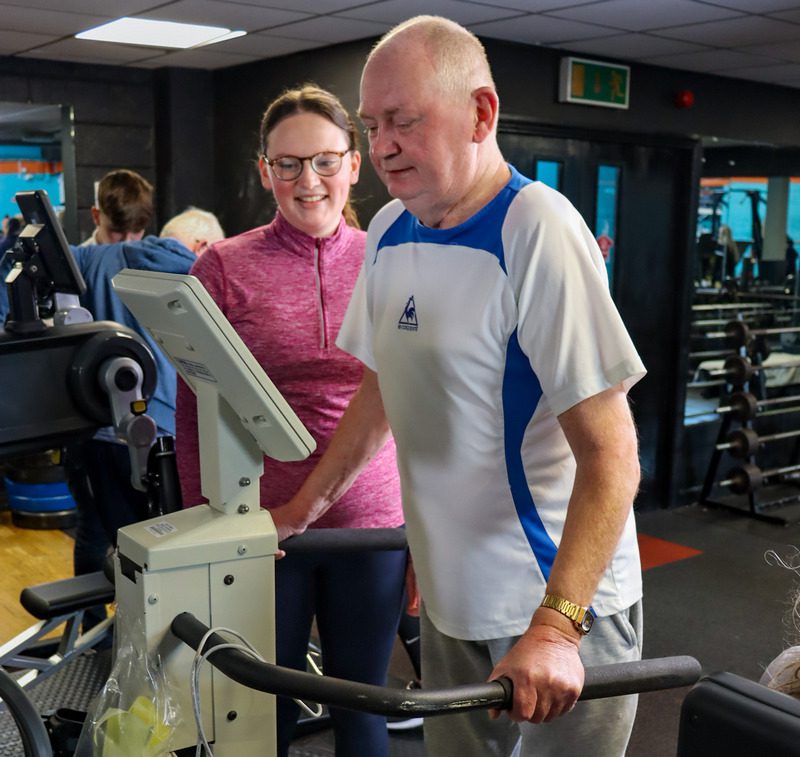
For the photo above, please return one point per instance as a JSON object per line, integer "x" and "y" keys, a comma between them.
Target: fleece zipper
{"x": 320, "y": 294}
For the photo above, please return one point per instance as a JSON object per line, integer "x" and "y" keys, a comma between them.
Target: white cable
{"x": 243, "y": 645}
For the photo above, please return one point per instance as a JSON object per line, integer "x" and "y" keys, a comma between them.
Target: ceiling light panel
{"x": 152, "y": 33}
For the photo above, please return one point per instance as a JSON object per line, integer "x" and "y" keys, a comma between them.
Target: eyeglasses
{"x": 289, "y": 167}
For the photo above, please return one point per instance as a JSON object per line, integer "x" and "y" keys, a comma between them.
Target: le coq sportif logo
{"x": 408, "y": 320}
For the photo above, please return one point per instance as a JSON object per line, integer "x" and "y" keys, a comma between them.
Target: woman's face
{"x": 311, "y": 203}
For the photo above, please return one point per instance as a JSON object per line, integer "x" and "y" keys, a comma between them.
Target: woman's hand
{"x": 289, "y": 521}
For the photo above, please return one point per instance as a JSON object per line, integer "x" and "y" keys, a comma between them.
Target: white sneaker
{"x": 400, "y": 723}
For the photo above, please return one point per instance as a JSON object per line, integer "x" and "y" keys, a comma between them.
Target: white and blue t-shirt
{"x": 481, "y": 335}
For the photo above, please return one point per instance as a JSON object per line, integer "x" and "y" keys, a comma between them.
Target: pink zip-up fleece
{"x": 286, "y": 293}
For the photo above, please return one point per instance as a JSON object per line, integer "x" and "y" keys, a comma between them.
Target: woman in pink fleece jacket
{"x": 285, "y": 287}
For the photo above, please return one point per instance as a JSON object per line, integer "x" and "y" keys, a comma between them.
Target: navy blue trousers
{"x": 357, "y": 599}
{"x": 99, "y": 475}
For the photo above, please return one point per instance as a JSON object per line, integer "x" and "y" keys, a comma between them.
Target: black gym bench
{"x": 54, "y": 603}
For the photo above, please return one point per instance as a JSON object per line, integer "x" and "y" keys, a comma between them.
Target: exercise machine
{"x": 213, "y": 564}
{"x": 65, "y": 377}
{"x": 214, "y": 560}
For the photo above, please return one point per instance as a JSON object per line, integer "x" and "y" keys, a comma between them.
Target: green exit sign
{"x": 591, "y": 82}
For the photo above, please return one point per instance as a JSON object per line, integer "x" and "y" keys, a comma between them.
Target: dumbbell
{"x": 736, "y": 369}
{"x": 739, "y": 333}
{"x": 748, "y": 477}
{"x": 743, "y": 406}
{"x": 745, "y": 441}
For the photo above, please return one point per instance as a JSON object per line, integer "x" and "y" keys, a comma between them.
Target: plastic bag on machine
{"x": 134, "y": 715}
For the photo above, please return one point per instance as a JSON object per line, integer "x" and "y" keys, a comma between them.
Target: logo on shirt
{"x": 408, "y": 321}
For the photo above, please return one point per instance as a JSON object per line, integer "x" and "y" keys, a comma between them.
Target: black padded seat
{"x": 56, "y": 598}
{"x": 725, "y": 714}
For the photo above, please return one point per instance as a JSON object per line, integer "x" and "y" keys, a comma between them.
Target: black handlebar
{"x": 346, "y": 540}
{"x": 604, "y": 681}
{"x": 35, "y": 740}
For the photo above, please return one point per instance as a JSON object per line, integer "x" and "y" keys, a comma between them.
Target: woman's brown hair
{"x": 310, "y": 98}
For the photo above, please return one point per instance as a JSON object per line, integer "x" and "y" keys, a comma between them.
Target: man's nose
{"x": 383, "y": 143}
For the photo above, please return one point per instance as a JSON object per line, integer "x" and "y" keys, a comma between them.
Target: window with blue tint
{"x": 24, "y": 167}
{"x": 793, "y": 213}
{"x": 739, "y": 203}
{"x": 549, "y": 172}
{"x": 605, "y": 222}
{"x": 728, "y": 201}
{"x": 793, "y": 223}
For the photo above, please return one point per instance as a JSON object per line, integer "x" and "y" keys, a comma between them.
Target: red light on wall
{"x": 684, "y": 98}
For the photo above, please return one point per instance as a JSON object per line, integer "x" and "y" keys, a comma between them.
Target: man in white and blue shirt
{"x": 492, "y": 346}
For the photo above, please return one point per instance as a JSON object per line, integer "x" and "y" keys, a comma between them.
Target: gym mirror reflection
{"x": 742, "y": 410}
{"x": 37, "y": 152}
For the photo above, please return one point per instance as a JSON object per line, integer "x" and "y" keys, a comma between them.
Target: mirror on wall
{"x": 37, "y": 152}
{"x": 742, "y": 401}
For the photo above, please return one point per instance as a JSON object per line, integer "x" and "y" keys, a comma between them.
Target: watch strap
{"x": 581, "y": 617}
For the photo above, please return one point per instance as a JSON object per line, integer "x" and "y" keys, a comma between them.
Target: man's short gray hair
{"x": 194, "y": 225}
{"x": 459, "y": 57}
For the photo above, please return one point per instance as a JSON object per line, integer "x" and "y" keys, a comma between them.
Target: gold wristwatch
{"x": 582, "y": 617}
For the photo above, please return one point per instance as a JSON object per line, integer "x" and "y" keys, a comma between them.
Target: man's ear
{"x": 199, "y": 246}
{"x": 263, "y": 172}
{"x": 486, "y": 106}
{"x": 95, "y": 215}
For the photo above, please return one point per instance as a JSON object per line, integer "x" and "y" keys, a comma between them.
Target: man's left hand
{"x": 547, "y": 673}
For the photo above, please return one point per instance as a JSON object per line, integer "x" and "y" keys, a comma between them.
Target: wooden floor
{"x": 27, "y": 557}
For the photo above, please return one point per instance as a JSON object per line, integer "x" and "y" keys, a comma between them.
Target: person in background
{"x": 491, "y": 344}
{"x": 123, "y": 208}
{"x": 99, "y": 470}
{"x": 284, "y": 287}
{"x": 727, "y": 253}
{"x": 790, "y": 257}
{"x": 12, "y": 225}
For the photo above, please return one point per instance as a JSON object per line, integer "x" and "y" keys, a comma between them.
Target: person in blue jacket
{"x": 99, "y": 470}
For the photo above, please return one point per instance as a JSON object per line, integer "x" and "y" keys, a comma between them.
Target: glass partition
{"x": 37, "y": 152}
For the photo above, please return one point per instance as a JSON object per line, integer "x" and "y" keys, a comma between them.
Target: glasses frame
{"x": 310, "y": 158}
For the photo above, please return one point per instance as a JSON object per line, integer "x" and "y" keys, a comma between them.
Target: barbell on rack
{"x": 740, "y": 334}
{"x": 743, "y": 406}
{"x": 745, "y": 441}
{"x": 748, "y": 477}
{"x": 738, "y": 370}
{"x": 731, "y": 306}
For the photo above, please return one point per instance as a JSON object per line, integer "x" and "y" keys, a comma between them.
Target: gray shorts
{"x": 601, "y": 726}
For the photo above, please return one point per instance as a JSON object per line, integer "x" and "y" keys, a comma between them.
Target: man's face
{"x": 106, "y": 234}
{"x": 420, "y": 141}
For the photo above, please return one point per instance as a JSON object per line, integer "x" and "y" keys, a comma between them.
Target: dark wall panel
{"x": 107, "y": 146}
{"x": 184, "y": 125}
{"x": 527, "y": 80}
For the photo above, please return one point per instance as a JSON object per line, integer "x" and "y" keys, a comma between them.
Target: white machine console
{"x": 215, "y": 560}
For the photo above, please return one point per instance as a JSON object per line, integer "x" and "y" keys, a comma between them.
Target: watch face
{"x": 586, "y": 624}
